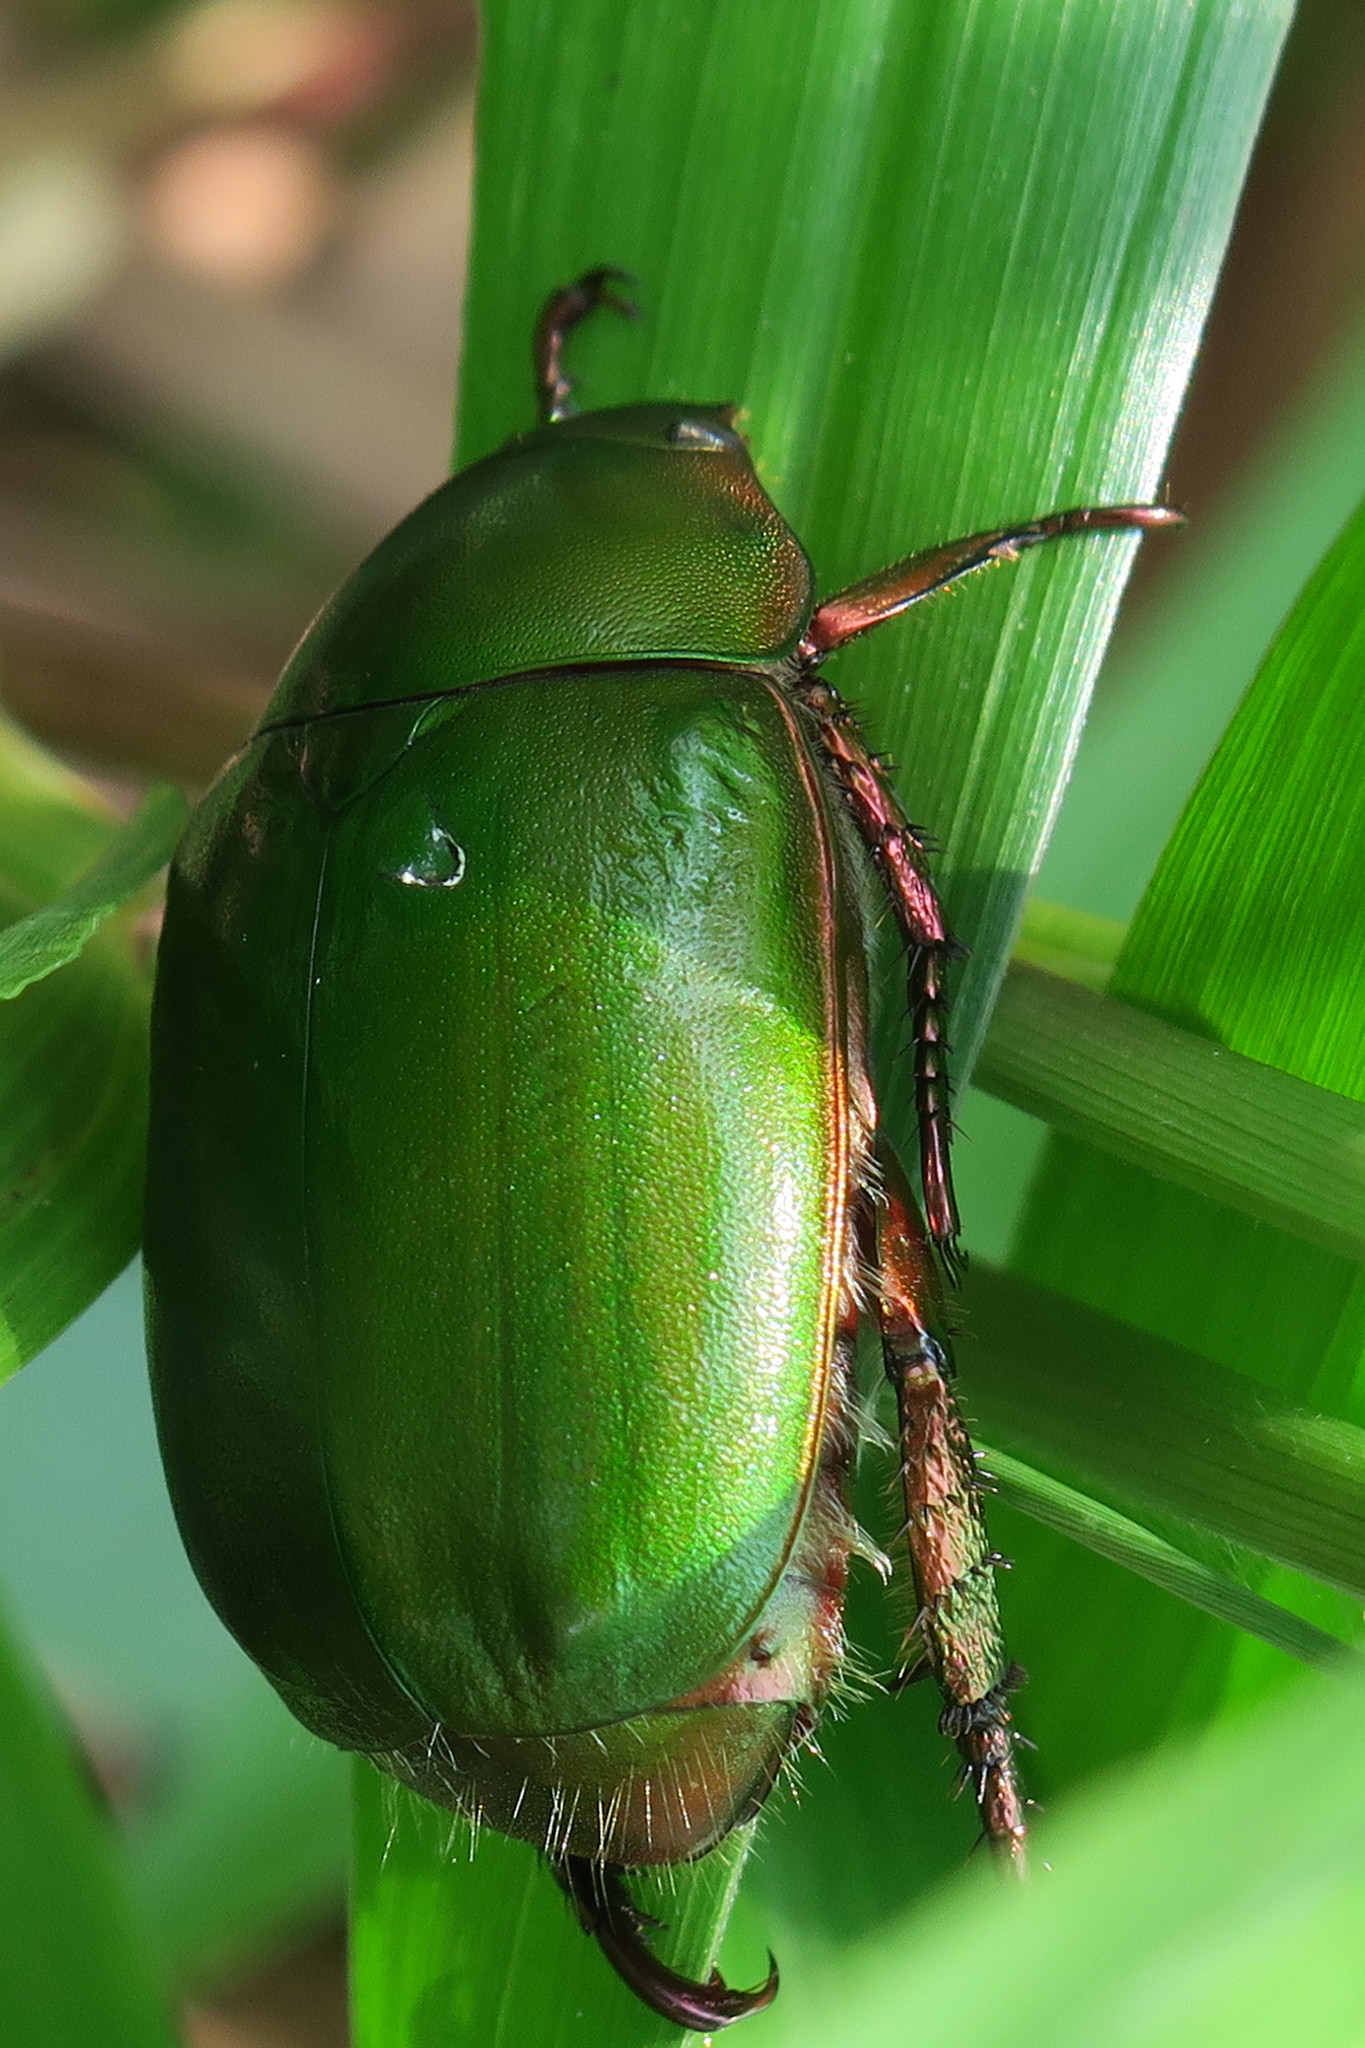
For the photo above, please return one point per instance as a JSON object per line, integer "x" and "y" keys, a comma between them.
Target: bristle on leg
{"x": 957, "y": 1631}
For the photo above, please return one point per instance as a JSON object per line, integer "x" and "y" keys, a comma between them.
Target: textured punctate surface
{"x": 597, "y": 539}
{"x": 541, "y": 1063}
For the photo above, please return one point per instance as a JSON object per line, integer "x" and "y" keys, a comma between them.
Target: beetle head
{"x": 688, "y": 429}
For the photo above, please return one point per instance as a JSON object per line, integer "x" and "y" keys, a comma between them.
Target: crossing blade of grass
{"x": 1183, "y": 1108}
{"x": 35, "y": 946}
{"x": 1146, "y": 1423}
{"x": 1250, "y": 936}
{"x": 72, "y": 1971}
{"x": 1139, "y": 1549}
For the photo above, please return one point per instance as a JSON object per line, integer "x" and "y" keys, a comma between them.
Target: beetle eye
{"x": 697, "y": 434}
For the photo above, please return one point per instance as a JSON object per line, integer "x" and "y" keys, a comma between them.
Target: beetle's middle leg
{"x": 890, "y": 591}
{"x": 897, "y": 848}
{"x": 957, "y": 1624}
{"x": 902, "y": 860}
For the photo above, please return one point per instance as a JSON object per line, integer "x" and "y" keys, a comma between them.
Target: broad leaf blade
{"x": 954, "y": 261}
{"x": 72, "y": 1972}
{"x": 975, "y": 255}
{"x": 1212, "y": 1902}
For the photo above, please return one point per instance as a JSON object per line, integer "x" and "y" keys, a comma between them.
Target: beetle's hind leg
{"x": 559, "y": 316}
{"x": 605, "y": 1909}
{"x": 957, "y": 1633}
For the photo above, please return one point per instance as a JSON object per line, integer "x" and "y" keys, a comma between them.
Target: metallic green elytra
{"x": 514, "y": 1176}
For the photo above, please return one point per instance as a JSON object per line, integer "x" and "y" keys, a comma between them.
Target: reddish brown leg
{"x": 878, "y": 598}
{"x": 957, "y": 1627}
{"x": 897, "y": 848}
{"x": 902, "y": 861}
{"x": 559, "y": 316}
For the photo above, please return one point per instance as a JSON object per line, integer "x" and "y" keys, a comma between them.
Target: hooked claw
{"x": 605, "y": 1909}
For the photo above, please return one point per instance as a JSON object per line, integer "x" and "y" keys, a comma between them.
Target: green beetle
{"x": 515, "y": 1180}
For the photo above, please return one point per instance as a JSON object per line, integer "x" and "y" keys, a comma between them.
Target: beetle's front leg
{"x": 902, "y": 860}
{"x": 957, "y": 1628}
{"x": 564, "y": 310}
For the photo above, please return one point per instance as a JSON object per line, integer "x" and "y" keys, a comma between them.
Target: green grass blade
{"x": 1001, "y": 1148}
{"x": 53, "y": 825}
{"x": 1213, "y": 1902}
{"x": 34, "y": 946}
{"x": 1181, "y": 1107}
{"x": 72, "y": 1972}
{"x": 1139, "y": 1549}
{"x": 1178, "y": 678}
{"x": 1138, "y": 1419}
{"x": 73, "y": 1088}
{"x": 953, "y": 260}
{"x": 1074, "y": 943}
{"x": 250, "y": 1852}
{"x": 1251, "y": 935}
{"x": 73, "y": 1043}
